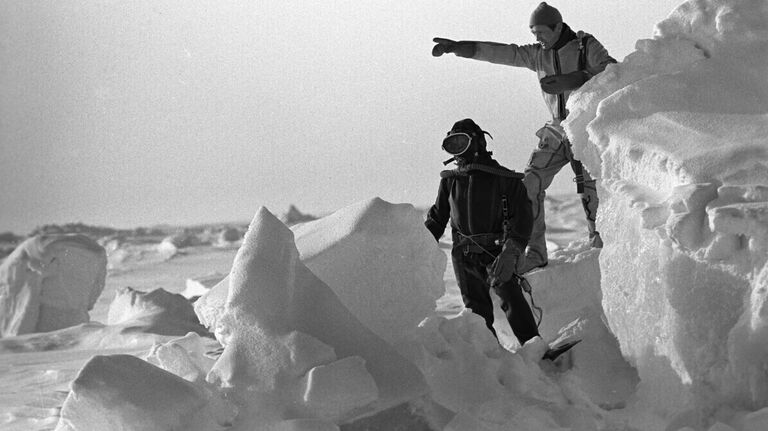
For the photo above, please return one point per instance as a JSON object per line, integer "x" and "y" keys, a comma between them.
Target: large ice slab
{"x": 676, "y": 133}
{"x": 569, "y": 294}
{"x": 122, "y": 392}
{"x": 379, "y": 259}
{"x": 50, "y": 282}
{"x": 285, "y": 332}
{"x": 490, "y": 388}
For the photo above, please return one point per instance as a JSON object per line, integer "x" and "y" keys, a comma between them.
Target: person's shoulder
{"x": 496, "y": 169}
{"x": 587, "y": 38}
{"x": 509, "y": 173}
{"x": 530, "y": 47}
{"x": 451, "y": 173}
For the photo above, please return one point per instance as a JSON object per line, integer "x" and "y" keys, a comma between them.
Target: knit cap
{"x": 545, "y": 14}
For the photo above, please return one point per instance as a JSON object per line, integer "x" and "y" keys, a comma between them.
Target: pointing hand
{"x": 460, "y": 48}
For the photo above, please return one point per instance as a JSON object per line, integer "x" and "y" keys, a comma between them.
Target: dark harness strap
{"x": 583, "y": 52}
{"x": 578, "y": 171}
{"x": 578, "y": 168}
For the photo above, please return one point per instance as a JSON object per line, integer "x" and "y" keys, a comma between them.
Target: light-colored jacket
{"x": 548, "y": 62}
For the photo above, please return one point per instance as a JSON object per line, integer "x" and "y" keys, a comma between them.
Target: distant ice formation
{"x": 50, "y": 282}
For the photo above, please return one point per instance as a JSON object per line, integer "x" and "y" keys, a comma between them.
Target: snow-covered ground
{"x": 329, "y": 324}
{"x": 140, "y": 314}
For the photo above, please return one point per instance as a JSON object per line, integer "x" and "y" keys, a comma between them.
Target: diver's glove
{"x": 556, "y": 84}
{"x": 460, "y": 48}
{"x": 506, "y": 263}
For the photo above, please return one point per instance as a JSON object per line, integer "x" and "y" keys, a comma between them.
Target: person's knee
{"x": 590, "y": 187}
{"x": 532, "y": 182}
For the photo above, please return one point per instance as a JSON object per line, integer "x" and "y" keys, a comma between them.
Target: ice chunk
{"x": 199, "y": 286}
{"x": 210, "y": 305}
{"x": 278, "y": 320}
{"x": 229, "y": 235}
{"x": 748, "y": 347}
{"x": 379, "y": 259}
{"x": 466, "y": 367}
{"x": 568, "y": 293}
{"x": 756, "y": 421}
{"x": 185, "y": 357}
{"x": 126, "y": 393}
{"x": 157, "y": 312}
{"x": 50, "y": 282}
{"x": 339, "y": 387}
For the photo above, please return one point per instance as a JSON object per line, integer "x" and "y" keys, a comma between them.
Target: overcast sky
{"x": 133, "y": 113}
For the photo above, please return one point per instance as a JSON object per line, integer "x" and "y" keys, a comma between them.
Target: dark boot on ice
{"x": 594, "y": 240}
{"x": 590, "y": 202}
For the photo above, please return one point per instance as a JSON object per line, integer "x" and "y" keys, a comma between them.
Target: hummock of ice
{"x": 485, "y": 387}
{"x": 123, "y": 392}
{"x": 50, "y": 282}
{"x": 399, "y": 257}
{"x": 569, "y": 294}
{"x": 156, "y": 312}
{"x": 677, "y": 135}
{"x": 286, "y": 335}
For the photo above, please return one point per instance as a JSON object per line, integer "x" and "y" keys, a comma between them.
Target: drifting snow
{"x": 50, "y": 282}
{"x": 677, "y": 134}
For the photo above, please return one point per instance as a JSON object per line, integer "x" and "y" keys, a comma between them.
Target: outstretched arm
{"x": 493, "y": 52}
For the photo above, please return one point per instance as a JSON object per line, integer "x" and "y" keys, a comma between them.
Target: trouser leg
{"x": 546, "y": 161}
{"x": 517, "y": 310}
{"x": 474, "y": 290}
{"x": 590, "y": 202}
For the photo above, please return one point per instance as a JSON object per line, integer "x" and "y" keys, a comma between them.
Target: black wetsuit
{"x": 473, "y": 198}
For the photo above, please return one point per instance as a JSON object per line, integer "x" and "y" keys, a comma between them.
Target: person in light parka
{"x": 564, "y": 60}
